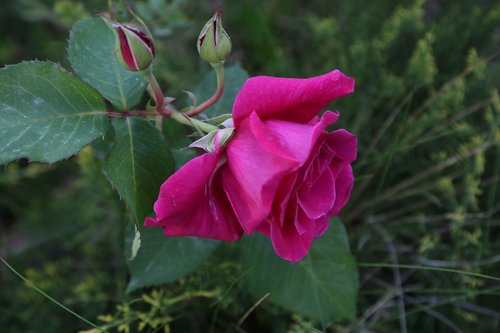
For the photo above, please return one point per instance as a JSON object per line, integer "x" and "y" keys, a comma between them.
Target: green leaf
{"x": 46, "y": 113}
{"x": 234, "y": 77}
{"x": 164, "y": 259}
{"x": 91, "y": 53}
{"x": 322, "y": 286}
{"x": 178, "y": 140}
{"x": 139, "y": 162}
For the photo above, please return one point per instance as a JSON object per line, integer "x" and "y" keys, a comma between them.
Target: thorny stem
{"x": 219, "y": 72}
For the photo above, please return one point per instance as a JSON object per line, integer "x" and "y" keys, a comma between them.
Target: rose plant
{"x": 270, "y": 167}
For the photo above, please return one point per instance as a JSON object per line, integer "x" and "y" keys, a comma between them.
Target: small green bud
{"x": 214, "y": 44}
{"x": 134, "y": 47}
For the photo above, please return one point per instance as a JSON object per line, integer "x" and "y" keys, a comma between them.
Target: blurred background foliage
{"x": 426, "y": 112}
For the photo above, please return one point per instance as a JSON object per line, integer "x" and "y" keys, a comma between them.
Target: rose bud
{"x": 134, "y": 45}
{"x": 214, "y": 44}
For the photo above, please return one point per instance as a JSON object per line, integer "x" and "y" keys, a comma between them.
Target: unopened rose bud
{"x": 214, "y": 44}
{"x": 134, "y": 45}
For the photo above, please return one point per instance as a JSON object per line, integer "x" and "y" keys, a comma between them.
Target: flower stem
{"x": 184, "y": 119}
{"x": 170, "y": 113}
{"x": 219, "y": 72}
{"x": 155, "y": 87}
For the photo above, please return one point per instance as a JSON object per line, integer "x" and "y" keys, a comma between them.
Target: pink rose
{"x": 281, "y": 174}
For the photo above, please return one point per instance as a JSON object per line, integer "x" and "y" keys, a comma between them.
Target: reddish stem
{"x": 219, "y": 71}
{"x": 157, "y": 92}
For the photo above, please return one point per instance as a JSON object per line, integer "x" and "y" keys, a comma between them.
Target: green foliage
{"x": 322, "y": 286}
{"x": 421, "y": 69}
{"x": 91, "y": 53}
{"x": 157, "y": 313}
{"x": 54, "y": 244}
{"x": 137, "y": 164}
{"x": 47, "y": 113}
{"x": 165, "y": 259}
{"x": 157, "y": 309}
{"x": 69, "y": 11}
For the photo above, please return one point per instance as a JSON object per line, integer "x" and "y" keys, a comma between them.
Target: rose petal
{"x": 343, "y": 144}
{"x": 264, "y": 228}
{"x": 343, "y": 186}
{"x": 318, "y": 199}
{"x": 320, "y": 226}
{"x": 288, "y": 243}
{"x": 192, "y": 202}
{"x": 259, "y": 156}
{"x": 314, "y": 166}
{"x": 296, "y": 100}
{"x": 252, "y": 178}
{"x": 293, "y": 141}
{"x": 282, "y": 198}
